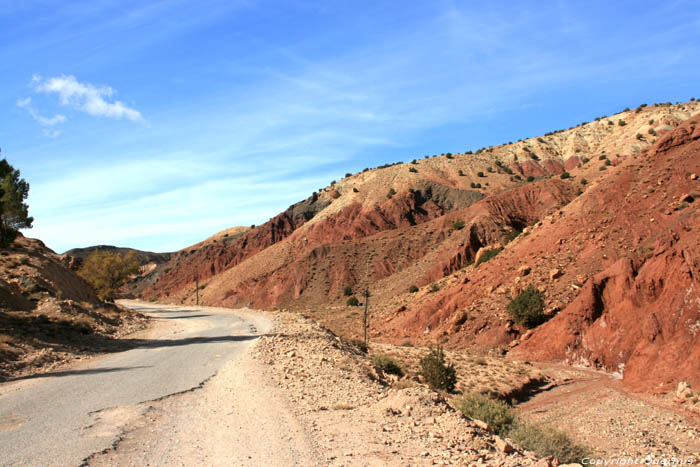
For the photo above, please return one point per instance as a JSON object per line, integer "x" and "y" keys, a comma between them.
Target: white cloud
{"x": 43, "y": 121}
{"x": 86, "y": 97}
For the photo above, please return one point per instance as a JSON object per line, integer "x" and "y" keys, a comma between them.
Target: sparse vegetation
{"x": 488, "y": 255}
{"x": 545, "y": 441}
{"x": 621, "y": 122}
{"x": 480, "y": 174}
{"x": 565, "y": 175}
{"x": 434, "y": 287}
{"x": 347, "y": 291}
{"x": 530, "y": 178}
{"x": 498, "y": 415}
{"x": 359, "y": 344}
{"x": 391, "y": 193}
{"x": 527, "y": 308}
{"x": 584, "y": 181}
{"x": 458, "y": 225}
{"x": 387, "y": 365}
{"x": 436, "y": 372}
{"x": 413, "y": 289}
{"x": 413, "y": 170}
{"x": 353, "y": 301}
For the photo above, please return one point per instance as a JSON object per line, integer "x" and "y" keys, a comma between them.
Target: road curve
{"x": 61, "y": 418}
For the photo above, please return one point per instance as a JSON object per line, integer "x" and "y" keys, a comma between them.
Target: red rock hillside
{"x": 601, "y": 218}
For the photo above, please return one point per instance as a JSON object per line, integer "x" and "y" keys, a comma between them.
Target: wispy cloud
{"x": 86, "y": 97}
{"x": 46, "y": 122}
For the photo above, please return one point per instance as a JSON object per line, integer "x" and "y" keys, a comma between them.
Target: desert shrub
{"x": 480, "y": 174}
{"x": 488, "y": 255}
{"x": 348, "y": 175}
{"x": 610, "y": 122}
{"x": 602, "y": 167}
{"x": 530, "y": 178}
{"x": 461, "y": 173}
{"x": 347, "y": 291}
{"x": 413, "y": 170}
{"x": 387, "y": 365}
{"x": 498, "y": 415}
{"x": 458, "y": 225}
{"x": 584, "y": 181}
{"x": 353, "y": 301}
{"x": 607, "y": 162}
{"x": 489, "y": 169}
{"x": 434, "y": 287}
{"x": 391, "y": 193}
{"x": 436, "y": 372}
{"x": 652, "y": 132}
{"x": 640, "y": 136}
{"x": 602, "y": 157}
{"x": 449, "y": 155}
{"x": 359, "y": 344}
{"x": 478, "y": 185}
{"x": 545, "y": 442}
{"x": 413, "y": 289}
{"x": 621, "y": 122}
{"x": 565, "y": 175}
{"x": 511, "y": 235}
{"x": 585, "y": 160}
{"x": 528, "y": 308}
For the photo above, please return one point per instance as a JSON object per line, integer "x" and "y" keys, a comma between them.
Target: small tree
{"x": 528, "y": 308}
{"x": 107, "y": 272}
{"x": 14, "y": 212}
{"x": 437, "y": 373}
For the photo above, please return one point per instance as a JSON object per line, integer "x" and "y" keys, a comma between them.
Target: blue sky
{"x": 156, "y": 124}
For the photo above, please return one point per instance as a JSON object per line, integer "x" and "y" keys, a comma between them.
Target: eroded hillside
{"x": 600, "y": 218}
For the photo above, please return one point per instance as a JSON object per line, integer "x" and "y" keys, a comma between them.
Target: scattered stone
{"x": 502, "y": 445}
{"x": 555, "y": 274}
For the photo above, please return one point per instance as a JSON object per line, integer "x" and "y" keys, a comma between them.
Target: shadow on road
{"x": 89, "y": 371}
{"x": 181, "y": 317}
{"x": 145, "y": 343}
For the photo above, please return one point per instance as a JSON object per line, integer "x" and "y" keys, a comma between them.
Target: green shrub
{"x": 488, "y": 255}
{"x": 353, "y": 301}
{"x": 565, "y": 175}
{"x": 413, "y": 289}
{"x": 391, "y": 193}
{"x": 498, "y": 415}
{"x": 434, "y": 287}
{"x": 530, "y": 178}
{"x": 511, "y": 235}
{"x": 461, "y": 173}
{"x": 387, "y": 365}
{"x": 449, "y": 155}
{"x": 528, "y": 308}
{"x": 640, "y": 136}
{"x": 438, "y": 374}
{"x": 545, "y": 442}
{"x": 413, "y": 170}
{"x": 652, "y": 132}
{"x": 584, "y": 181}
{"x": 621, "y": 122}
{"x": 480, "y": 174}
{"x": 585, "y": 160}
{"x": 458, "y": 225}
{"x": 347, "y": 291}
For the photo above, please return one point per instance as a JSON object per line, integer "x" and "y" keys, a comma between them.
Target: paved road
{"x": 60, "y": 418}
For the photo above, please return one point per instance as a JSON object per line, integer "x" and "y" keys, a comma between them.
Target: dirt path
{"x": 595, "y": 410}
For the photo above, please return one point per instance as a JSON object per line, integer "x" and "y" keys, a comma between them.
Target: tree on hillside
{"x": 14, "y": 212}
{"x": 107, "y": 272}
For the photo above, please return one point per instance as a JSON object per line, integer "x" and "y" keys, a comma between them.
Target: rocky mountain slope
{"x": 601, "y": 218}
{"x": 49, "y": 314}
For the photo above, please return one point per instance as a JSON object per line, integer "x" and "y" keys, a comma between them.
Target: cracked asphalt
{"x": 63, "y": 417}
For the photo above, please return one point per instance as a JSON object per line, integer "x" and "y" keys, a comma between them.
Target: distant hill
{"x": 144, "y": 257}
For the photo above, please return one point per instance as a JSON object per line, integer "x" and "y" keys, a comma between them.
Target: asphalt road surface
{"x": 63, "y": 417}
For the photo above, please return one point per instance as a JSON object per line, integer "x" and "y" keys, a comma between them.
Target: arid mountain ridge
{"x": 601, "y": 218}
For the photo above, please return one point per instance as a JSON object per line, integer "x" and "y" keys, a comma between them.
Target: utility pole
{"x": 365, "y": 323}
{"x": 196, "y": 284}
